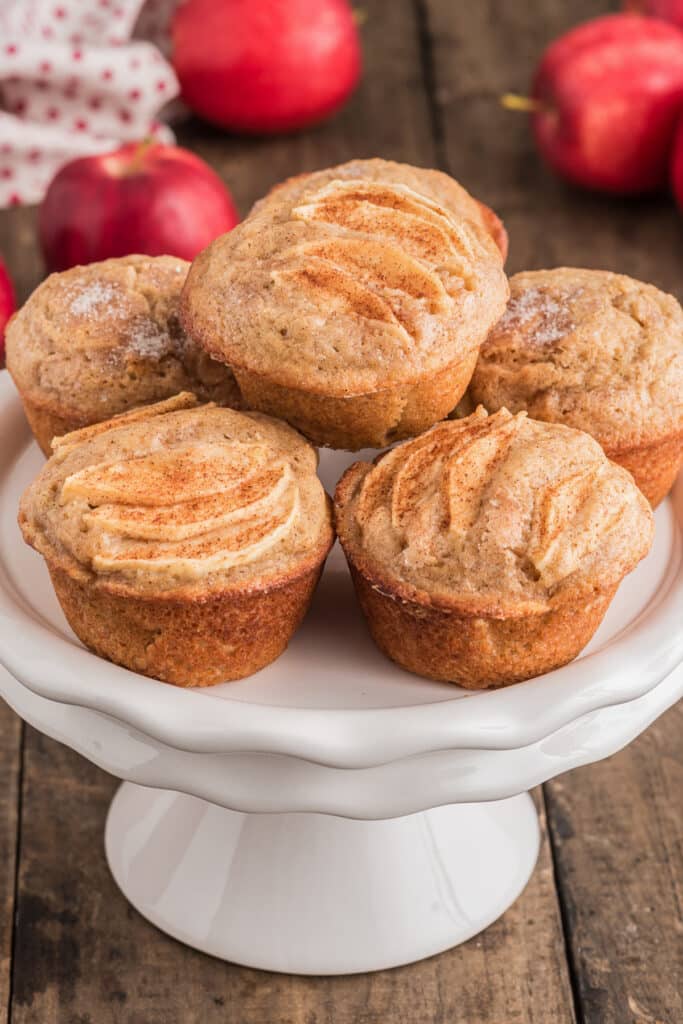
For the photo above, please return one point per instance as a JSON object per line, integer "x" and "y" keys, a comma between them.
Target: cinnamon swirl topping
{"x": 181, "y": 496}
{"x": 499, "y": 505}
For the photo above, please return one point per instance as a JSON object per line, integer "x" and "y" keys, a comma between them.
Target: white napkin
{"x": 75, "y": 81}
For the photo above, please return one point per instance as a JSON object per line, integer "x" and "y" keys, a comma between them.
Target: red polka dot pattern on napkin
{"x": 77, "y": 78}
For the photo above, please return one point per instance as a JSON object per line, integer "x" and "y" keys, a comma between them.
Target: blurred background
{"x": 433, "y": 75}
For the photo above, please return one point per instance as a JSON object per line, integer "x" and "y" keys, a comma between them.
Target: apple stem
{"x": 522, "y": 104}
{"x": 138, "y": 155}
{"x": 360, "y": 15}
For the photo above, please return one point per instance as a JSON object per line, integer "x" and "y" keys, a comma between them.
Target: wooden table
{"x": 597, "y": 936}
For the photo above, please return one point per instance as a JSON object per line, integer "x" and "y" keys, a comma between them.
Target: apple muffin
{"x": 487, "y": 550}
{"x": 597, "y": 351}
{"x": 94, "y": 341}
{"x": 184, "y": 541}
{"x": 351, "y": 302}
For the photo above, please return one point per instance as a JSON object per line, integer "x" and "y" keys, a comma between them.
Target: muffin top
{"x": 94, "y": 341}
{"x": 180, "y": 499}
{"x": 446, "y": 189}
{"x": 350, "y": 280}
{"x": 595, "y": 350}
{"x": 498, "y": 515}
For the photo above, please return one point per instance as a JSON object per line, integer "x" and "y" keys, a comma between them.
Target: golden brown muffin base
{"x": 361, "y": 421}
{"x": 476, "y": 652}
{"x": 46, "y": 424}
{"x": 188, "y": 642}
{"x": 654, "y": 466}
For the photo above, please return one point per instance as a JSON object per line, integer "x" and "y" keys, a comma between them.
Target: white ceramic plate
{"x": 332, "y": 698}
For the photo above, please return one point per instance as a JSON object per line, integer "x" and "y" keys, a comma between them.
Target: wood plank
{"x": 84, "y": 955}
{"x": 617, "y": 833}
{"x": 65, "y": 892}
{"x": 19, "y": 248}
{"x": 10, "y": 773}
{"x": 478, "y": 52}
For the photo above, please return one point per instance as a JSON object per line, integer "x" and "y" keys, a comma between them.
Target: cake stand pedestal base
{"x": 315, "y": 894}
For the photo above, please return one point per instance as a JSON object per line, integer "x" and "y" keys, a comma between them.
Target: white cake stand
{"x": 332, "y": 813}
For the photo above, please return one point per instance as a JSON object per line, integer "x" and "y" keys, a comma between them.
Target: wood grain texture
{"x": 67, "y": 966}
{"x": 19, "y": 248}
{"x": 10, "y": 774}
{"x": 83, "y": 956}
{"x": 617, "y": 831}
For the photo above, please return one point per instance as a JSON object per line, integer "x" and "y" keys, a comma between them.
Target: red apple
{"x": 667, "y": 10}
{"x": 266, "y": 66}
{"x": 608, "y": 95}
{"x": 142, "y": 198}
{"x": 7, "y": 306}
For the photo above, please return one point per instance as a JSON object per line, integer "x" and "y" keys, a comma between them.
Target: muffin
{"x": 442, "y": 182}
{"x": 596, "y": 351}
{"x": 184, "y": 541}
{"x": 487, "y": 550}
{"x": 351, "y": 302}
{"x": 95, "y": 341}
